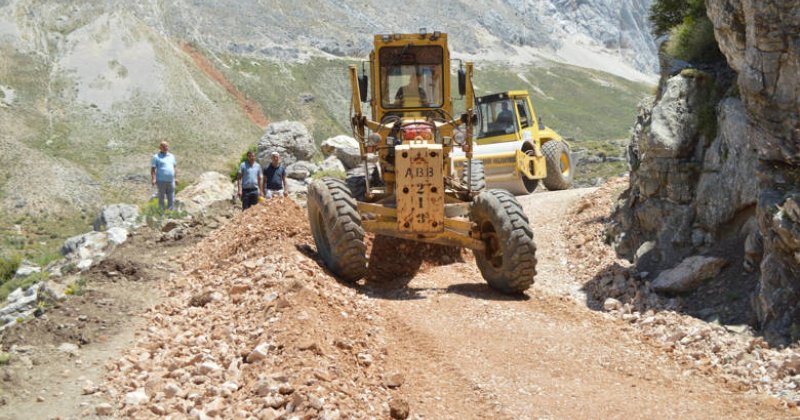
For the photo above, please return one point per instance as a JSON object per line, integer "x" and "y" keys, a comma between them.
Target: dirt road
{"x": 253, "y": 325}
{"x": 470, "y": 352}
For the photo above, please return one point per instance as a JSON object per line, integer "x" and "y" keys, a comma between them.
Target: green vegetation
{"x": 233, "y": 173}
{"x": 5, "y": 358}
{"x": 578, "y": 103}
{"x": 13, "y": 284}
{"x": 691, "y": 33}
{"x": 77, "y": 288}
{"x": 153, "y": 215}
{"x": 8, "y": 266}
{"x": 333, "y": 173}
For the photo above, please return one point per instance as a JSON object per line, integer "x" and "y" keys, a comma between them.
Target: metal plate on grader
{"x": 420, "y": 188}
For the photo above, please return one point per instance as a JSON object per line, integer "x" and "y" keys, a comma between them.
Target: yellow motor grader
{"x": 516, "y": 148}
{"x": 412, "y": 192}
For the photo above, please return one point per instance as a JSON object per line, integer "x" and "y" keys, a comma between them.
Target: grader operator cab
{"x": 515, "y": 147}
{"x": 411, "y": 192}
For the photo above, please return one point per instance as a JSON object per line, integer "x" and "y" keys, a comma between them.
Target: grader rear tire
{"x": 336, "y": 226}
{"x": 478, "y": 180}
{"x": 509, "y": 262}
{"x": 560, "y": 166}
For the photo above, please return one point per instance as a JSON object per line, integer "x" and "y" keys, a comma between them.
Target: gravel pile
{"x": 733, "y": 353}
{"x": 254, "y": 327}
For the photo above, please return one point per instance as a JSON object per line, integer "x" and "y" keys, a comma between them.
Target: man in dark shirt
{"x": 275, "y": 178}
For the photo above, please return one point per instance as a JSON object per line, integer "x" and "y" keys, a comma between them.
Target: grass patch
{"x": 153, "y": 215}
{"x": 8, "y": 267}
{"x": 332, "y": 173}
{"x": 5, "y": 358}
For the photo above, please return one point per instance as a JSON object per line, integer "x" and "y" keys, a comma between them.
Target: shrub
{"x": 693, "y": 41}
{"x": 234, "y": 172}
{"x": 77, "y": 288}
{"x": 691, "y": 33}
{"x": 8, "y": 267}
{"x": 151, "y": 214}
{"x": 667, "y": 14}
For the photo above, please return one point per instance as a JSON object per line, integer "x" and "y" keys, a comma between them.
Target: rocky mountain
{"x": 715, "y": 160}
{"x": 88, "y": 88}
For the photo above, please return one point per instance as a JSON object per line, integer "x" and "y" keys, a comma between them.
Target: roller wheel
{"x": 478, "y": 180}
{"x": 508, "y": 263}
{"x": 560, "y": 166}
{"x": 336, "y": 226}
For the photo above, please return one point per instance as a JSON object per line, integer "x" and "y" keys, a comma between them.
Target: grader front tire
{"x": 336, "y": 227}
{"x": 509, "y": 262}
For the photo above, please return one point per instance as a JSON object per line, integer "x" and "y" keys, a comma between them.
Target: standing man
{"x": 164, "y": 173}
{"x": 249, "y": 181}
{"x": 275, "y": 178}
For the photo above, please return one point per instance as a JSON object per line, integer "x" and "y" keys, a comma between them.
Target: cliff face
{"x": 715, "y": 161}
{"x": 761, "y": 40}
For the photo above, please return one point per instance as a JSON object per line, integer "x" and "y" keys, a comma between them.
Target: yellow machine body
{"x": 510, "y": 147}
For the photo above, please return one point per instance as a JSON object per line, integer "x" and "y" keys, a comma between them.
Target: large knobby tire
{"x": 478, "y": 176}
{"x": 560, "y": 166}
{"x": 509, "y": 262}
{"x": 336, "y": 226}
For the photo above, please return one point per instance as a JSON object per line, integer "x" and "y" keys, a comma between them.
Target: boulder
{"x": 688, "y": 275}
{"x": 117, "y": 235}
{"x": 19, "y": 304}
{"x": 332, "y": 163}
{"x": 116, "y": 215}
{"x": 91, "y": 245}
{"x": 297, "y": 187}
{"x": 343, "y": 147}
{"x": 301, "y": 170}
{"x": 26, "y": 269}
{"x": 211, "y": 188}
{"x": 289, "y": 138}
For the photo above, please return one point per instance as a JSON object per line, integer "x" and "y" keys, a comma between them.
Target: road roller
{"x": 514, "y": 149}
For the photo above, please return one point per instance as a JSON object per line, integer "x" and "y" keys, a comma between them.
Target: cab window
{"x": 524, "y": 115}
{"x": 497, "y": 118}
{"x": 411, "y": 77}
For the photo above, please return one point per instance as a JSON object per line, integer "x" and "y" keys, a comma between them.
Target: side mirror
{"x": 462, "y": 82}
{"x": 363, "y": 86}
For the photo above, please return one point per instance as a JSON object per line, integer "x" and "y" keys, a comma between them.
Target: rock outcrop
{"x": 209, "y": 189}
{"x": 289, "y": 138}
{"x": 761, "y": 40}
{"x": 711, "y": 162}
{"x": 689, "y": 182}
{"x": 117, "y": 215}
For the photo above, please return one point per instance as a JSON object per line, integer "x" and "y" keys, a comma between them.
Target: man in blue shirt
{"x": 249, "y": 180}
{"x": 275, "y": 178}
{"x": 164, "y": 173}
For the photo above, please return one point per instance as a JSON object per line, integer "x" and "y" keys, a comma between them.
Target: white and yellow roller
{"x": 516, "y": 149}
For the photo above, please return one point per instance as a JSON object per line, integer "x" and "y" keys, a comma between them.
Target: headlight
{"x": 459, "y": 138}
{"x": 373, "y": 139}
